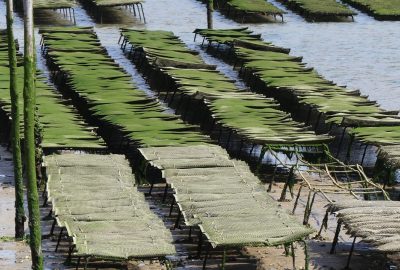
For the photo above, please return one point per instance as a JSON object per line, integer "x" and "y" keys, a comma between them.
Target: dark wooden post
{"x": 29, "y": 131}
{"x": 15, "y": 126}
{"x": 210, "y": 9}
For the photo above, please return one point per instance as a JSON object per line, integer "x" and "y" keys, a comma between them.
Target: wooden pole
{"x": 29, "y": 131}
{"x": 210, "y": 9}
{"x": 15, "y": 126}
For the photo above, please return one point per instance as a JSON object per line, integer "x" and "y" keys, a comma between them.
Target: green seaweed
{"x": 111, "y": 95}
{"x": 380, "y": 9}
{"x": 319, "y": 8}
{"x": 252, "y": 116}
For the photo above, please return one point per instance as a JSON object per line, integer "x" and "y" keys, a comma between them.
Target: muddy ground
{"x": 16, "y": 255}
{"x": 13, "y": 254}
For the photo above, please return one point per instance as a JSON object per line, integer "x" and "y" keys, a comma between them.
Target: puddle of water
{"x": 8, "y": 256}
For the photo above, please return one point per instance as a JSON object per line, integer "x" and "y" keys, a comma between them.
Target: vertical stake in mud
{"x": 15, "y": 126}
{"x": 29, "y": 132}
{"x": 210, "y": 9}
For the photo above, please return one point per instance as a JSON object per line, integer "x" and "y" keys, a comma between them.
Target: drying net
{"x": 223, "y": 197}
{"x": 391, "y": 155}
{"x": 373, "y": 221}
{"x": 253, "y": 117}
{"x": 110, "y": 3}
{"x": 53, "y": 4}
{"x": 286, "y": 77}
{"x": 95, "y": 198}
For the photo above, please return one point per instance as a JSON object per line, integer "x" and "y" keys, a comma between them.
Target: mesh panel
{"x": 374, "y": 221}
{"x": 224, "y": 198}
{"x": 94, "y": 196}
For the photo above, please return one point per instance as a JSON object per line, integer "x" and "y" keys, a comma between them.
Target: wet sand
{"x": 13, "y": 254}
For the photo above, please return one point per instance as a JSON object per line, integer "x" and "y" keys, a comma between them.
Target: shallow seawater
{"x": 362, "y": 55}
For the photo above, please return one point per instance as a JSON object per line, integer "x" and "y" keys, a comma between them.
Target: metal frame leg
{"x": 190, "y": 233}
{"x": 229, "y": 139}
{"x": 240, "y": 148}
{"x": 220, "y": 134}
{"x": 59, "y": 238}
{"x": 86, "y": 262}
{"x": 336, "y": 238}
{"x": 351, "y": 253}
{"x": 171, "y": 207}
{"x": 78, "y": 263}
{"x": 293, "y": 256}
{"x": 152, "y": 182}
{"x": 363, "y": 156}
{"x": 177, "y": 220}
{"x": 317, "y": 123}
{"x": 341, "y": 141}
{"x": 297, "y": 199}
{"x": 308, "y": 116}
{"x": 252, "y": 148}
{"x": 165, "y": 193}
{"x": 206, "y": 257}
{"x": 70, "y": 250}
{"x": 309, "y": 209}
{"x": 272, "y": 179}
{"x": 348, "y": 154}
{"x": 200, "y": 244}
{"x": 324, "y": 223}
{"x": 53, "y": 226}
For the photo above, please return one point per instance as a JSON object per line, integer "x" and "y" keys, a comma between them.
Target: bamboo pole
{"x": 29, "y": 131}
{"x": 210, "y": 9}
{"x": 15, "y": 126}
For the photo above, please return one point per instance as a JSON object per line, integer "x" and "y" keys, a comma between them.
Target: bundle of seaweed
{"x": 379, "y": 9}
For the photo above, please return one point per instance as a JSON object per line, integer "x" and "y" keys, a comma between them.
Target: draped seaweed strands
{"x": 53, "y": 4}
{"x": 253, "y": 117}
{"x": 238, "y": 36}
{"x": 378, "y": 135}
{"x": 89, "y": 72}
{"x": 286, "y": 78}
{"x": 110, "y": 3}
{"x": 99, "y": 6}
{"x": 319, "y": 10}
{"x": 372, "y": 221}
{"x": 94, "y": 197}
{"x": 285, "y": 75}
{"x": 249, "y": 10}
{"x": 64, "y": 7}
{"x": 379, "y": 9}
{"x": 223, "y": 197}
{"x": 387, "y": 138}
{"x": 94, "y": 77}
{"x": 61, "y": 126}
{"x": 390, "y": 154}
